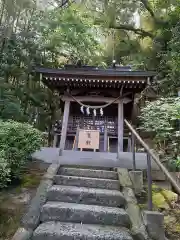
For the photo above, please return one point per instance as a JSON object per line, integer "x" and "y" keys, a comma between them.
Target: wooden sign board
{"x": 88, "y": 139}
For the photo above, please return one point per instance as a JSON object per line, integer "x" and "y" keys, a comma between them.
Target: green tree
{"x": 161, "y": 118}
{"x": 31, "y": 37}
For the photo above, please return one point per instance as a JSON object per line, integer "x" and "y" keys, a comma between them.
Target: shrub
{"x": 162, "y": 118}
{"x": 4, "y": 170}
{"x": 18, "y": 141}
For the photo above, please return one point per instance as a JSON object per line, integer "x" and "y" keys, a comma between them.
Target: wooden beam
{"x": 120, "y": 126}
{"x": 95, "y": 99}
{"x": 64, "y": 125}
{"x": 112, "y": 93}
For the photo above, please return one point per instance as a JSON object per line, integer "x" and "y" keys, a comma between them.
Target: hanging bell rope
{"x": 98, "y": 107}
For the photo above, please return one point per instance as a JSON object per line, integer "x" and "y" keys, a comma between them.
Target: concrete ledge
{"x": 23, "y": 234}
{"x": 51, "y": 171}
{"x": 32, "y": 218}
{"x": 138, "y": 229}
{"x": 124, "y": 177}
{"x": 137, "y": 181}
{"x": 129, "y": 195}
{"x": 154, "y": 222}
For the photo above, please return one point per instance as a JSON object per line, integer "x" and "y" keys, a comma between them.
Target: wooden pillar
{"x": 76, "y": 139}
{"x": 129, "y": 143}
{"x": 55, "y": 140}
{"x": 64, "y": 125}
{"x": 120, "y": 126}
{"x": 105, "y": 139}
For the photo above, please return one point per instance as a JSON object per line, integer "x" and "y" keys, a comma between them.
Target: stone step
{"x": 87, "y": 182}
{"x": 73, "y": 194}
{"x": 86, "y": 214}
{"x": 71, "y": 231}
{"x": 87, "y": 167}
{"x": 88, "y": 173}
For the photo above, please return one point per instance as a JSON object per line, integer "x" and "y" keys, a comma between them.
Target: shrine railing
{"x": 112, "y": 128}
{"x": 150, "y": 154}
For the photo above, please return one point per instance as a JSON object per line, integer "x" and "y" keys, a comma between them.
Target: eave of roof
{"x": 94, "y": 72}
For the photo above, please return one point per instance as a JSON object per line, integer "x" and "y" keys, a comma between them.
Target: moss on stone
{"x": 30, "y": 181}
{"x": 162, "y": 198}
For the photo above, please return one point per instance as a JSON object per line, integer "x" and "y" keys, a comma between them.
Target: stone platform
{"x": 101, "y": 159}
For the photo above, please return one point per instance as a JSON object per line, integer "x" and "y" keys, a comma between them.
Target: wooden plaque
{"x": 88, "y": 139}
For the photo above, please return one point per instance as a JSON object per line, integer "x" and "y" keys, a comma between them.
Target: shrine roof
{"x": 95, "y": 77}
{"x": 71, "y": 70}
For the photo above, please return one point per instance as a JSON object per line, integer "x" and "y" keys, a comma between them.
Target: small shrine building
{"x": 94, "y": 102}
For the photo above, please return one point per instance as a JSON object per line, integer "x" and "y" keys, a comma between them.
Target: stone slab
{"x": 87, "y": 182}
{"x": 69, "y": 231}
{"x": 92, "y": 173}
{"x": 111, "y": 198}
{"x": 86, "y": 214}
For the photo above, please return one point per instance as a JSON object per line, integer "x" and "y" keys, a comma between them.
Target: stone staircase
{"x": 84, "y": 204}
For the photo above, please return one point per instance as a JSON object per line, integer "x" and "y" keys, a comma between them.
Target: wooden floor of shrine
{"x": 84, "y": 158}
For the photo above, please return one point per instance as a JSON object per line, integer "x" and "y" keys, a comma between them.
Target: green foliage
{"x": 161, "y": 118}
{"x": 145, "y": 34}
{"x": 4, "y": 170}
{"x": 170, "y": 64}
{"x": 18, "y": 141}
{"x": 31, "y": 37}
{"x": 174, "y": 164}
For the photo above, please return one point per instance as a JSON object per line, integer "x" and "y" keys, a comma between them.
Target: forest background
{"x": 144, "y": 34}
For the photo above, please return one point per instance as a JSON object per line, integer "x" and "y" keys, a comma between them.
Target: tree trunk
{"x": 2, "y": 11}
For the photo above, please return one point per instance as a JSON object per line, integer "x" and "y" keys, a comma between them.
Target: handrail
{"x": 156, "y": 159}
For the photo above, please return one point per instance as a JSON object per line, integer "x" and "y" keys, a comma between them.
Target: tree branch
{"x": 148, "y": 8}
{"x": 151, "y": 12}
{"x": 127, "y": 27}
{"x": 64, "y": 3}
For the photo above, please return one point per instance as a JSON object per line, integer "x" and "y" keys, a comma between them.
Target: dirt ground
{"x": 172, "y": 223}
{"x": 15, "y": 200}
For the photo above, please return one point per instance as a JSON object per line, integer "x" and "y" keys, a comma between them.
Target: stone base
{"x": 154, "y": 222}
